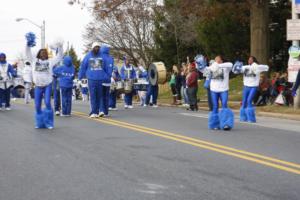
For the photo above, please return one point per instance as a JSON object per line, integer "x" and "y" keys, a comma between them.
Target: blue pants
{"x": 66, "y": 100}
{"x": 223, "y": 96}
{"x": 105, "y": 100}
{"x": 113, "y": 99}
{"x": 248, "y": 96}
{"x": 5, "y": 97}
{"x": 128, "y": 99}
{"x": 43, "y": 118}
{"x": 96, "y": 95}
{"x": 152, "y": 91}
{"x": 223, "y": 119}
{"x": 56, "y": 95}
{"x": 247, "y": 112}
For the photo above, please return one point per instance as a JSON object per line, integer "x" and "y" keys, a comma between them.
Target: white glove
{"x": 142, "y": 69}
{"x": 214, "y": 67}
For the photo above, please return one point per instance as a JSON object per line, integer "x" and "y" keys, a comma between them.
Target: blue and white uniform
{"x": 113, "y": 93}
{"x": 27, "y": 77}
{"x": 108, "y": 61}
{"x": 94, "y": 69}
{"x": 128, "y": 74}
{"x": 7, "y": 72}
{"x": 66, "y": 75}
{"x": 219, "y": 87}
{"x": 142, "y": 76}
{"x": 251, "y": 82}
{"x": 42, "y": 73}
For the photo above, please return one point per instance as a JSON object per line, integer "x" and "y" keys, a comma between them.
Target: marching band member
{"x": 128, "y": 74}
{"x": 113, "y": 93}
{"x": 108, "y": 61}
{"x": 251, "y": 82}
{"x": 42, "y": 73}
{"x": 95, "y": 71}
{"x": 56, "y": 94}
{"x": 66, "y": 74}
{"x": 219, "y": 86}
{"x": 152, "y": 93}
{"x": 142, "y": 75}
{"x": 27, "y": 77}
{"x": 7, "y": 72}
{"x": 84, "y": 90}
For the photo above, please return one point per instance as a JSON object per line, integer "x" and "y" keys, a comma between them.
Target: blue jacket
{"x": 108, "y": 61}
{"x": 10, "y": 71}
{"x": 65, "y": 73}
{"x": 93, "y": 67}
{"x": 127, "y": 69}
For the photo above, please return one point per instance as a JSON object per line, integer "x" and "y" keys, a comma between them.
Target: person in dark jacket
{"x": 65, "y": 74}
{"x": 192, "y": 86}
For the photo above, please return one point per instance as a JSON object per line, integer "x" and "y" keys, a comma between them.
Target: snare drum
{"x": 113, "y": 86}
{"x": 128, "y": 86}
{"x": 140, "y": 86}
{"x": 18, "y": 82}
{"x": 119, "y": 86}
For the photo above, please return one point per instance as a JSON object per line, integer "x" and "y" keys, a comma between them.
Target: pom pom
{"x": 30, "y": 37}
{"x": 200, "y": 62}
{"x": 237, "y": 67}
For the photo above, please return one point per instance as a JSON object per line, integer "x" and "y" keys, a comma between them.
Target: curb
{"x": 259, "y": 113}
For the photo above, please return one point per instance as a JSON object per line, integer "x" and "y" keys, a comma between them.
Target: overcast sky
{"x": 62, "y": 20}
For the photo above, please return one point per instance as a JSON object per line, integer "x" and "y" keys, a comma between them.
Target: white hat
{"x": 95, "y": 44}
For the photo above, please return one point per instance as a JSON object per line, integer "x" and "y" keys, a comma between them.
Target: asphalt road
{"x": 146, "y": 153}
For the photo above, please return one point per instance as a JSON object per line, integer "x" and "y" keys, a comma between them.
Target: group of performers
{"x": 217, "y": 79}
{"x": 99, "y": 79}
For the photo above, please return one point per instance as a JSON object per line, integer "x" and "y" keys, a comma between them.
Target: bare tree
{"x": 128, "y": 28}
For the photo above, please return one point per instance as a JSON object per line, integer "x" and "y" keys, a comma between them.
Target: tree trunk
{"x": 259, "y": 20}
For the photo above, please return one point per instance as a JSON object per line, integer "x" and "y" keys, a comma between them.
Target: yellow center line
{"x": 209, "y": 143}
{"x": 244, "y": 157}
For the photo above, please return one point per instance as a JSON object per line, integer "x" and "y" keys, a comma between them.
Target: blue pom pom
{"x": 237, "y": 67}
{"x": 200, "y": 62}
{"x": 30, "y": 37}
{"x": 213, "y": 121}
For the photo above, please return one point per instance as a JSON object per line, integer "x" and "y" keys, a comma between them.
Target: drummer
{"x": 84, "y": 90}
{"x": 7, "y": 72}
{"x": 128, "y": 75}
{"x": 113, "y": 93}
{"x": 142, "y": 76}
{"x": 152, "y": 93}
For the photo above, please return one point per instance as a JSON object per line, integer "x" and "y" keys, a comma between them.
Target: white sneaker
{"x": 93, "y": 116}
{"x": 50, "y": 127}
{"x": 110, "y": 108}
{"x": 57, "y": 113}
{"x": 8, "y": 108}
{"x": 130, "y": 107}
{"x": 114, "y": 109}
{"x": 126, "y": 106}
{"x": 101, "y": 114}
{"x": 155, "y": 106}
{"x": 14, "y": 99}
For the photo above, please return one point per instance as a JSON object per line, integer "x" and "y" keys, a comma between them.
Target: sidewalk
{"x": 259, "y": 113}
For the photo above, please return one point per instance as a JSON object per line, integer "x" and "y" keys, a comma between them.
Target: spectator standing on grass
{"x": 183, "y": 91}
{"x": 192, "y": 86}
{"x": 172, "y": 84}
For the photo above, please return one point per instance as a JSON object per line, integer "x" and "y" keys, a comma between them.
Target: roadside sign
{"x": 293, "y": 29}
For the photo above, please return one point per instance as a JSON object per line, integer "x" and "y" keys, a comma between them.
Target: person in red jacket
{"x": 192, "y": 86}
